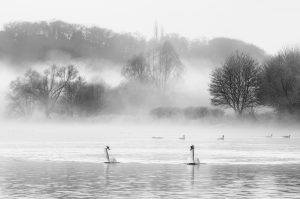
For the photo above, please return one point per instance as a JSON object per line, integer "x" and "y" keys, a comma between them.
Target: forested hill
{"x": 40, "y": 41}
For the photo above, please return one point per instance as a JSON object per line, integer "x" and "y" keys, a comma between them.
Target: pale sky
{"x": 270, "y": 24}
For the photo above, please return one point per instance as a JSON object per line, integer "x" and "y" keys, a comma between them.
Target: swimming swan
{"x": 109, "y": 159}
{"x": 221, "y": 138}
{"x": 156, "y": 137}
{"x": 269, "y": 136}
{"x": 182, "y": 137}
{"x": 194, "y": 162}
{"x": 287, "y": 136}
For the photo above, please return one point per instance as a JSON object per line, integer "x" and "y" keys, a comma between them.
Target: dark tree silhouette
{"x": 236, "y": 83}
{"x": 43, "y": 90}
{"x": 136, "y": 68}
{"x": 71, "y": 94}
{"x": 280, "y": 81}
{"x": 89, "y": 100}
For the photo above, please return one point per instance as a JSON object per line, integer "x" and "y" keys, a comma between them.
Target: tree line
{"x": 188, "y": 112}
{"x": 30, "y": 42}
{"x": 243, "y": 84}
{"x": 38, "y": 41}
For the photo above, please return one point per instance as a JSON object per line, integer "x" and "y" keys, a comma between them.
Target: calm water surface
{"x": 20, "y": 179}
{"x": 66, "y": 162}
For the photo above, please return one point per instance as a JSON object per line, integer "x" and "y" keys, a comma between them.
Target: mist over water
{"x": 66, "y": 160}
{"x": 134, "y": 143}
{"x": 148, "y": 118}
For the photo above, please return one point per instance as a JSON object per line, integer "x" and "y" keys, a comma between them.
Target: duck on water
{"x": 109, "y": 159}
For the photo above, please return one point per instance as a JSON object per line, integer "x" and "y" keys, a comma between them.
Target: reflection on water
{"x": 29, "y": 179}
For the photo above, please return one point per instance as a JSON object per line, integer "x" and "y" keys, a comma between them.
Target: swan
{"x": 109, "y": 159}
{"x": 194, "y": 162}
{"x": 221, "y": 138}
{"x": 269, "y": 136}
{"x": 156, "y": 137}
{"x": 182, "y": 137}
{"x": 287, "y": 136}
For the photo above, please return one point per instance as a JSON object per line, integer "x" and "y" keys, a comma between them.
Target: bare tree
{"x": 280, "y": 81}
{"x": 236, "y": 83}
{"x": 41, "y": 89}
{"x": 164, "y": 65}
{"x": 156, "y": 31}
{"x": 136, "y": 68}
{"x": 52, "y": 84}
{"x": 90, "y": 99}
{"x": 161, "y": 65}
{"x": 22, "y": 100}
{"x": 71, "y": 94}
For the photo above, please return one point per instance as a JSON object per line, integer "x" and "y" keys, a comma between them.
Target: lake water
{"x": 66, "y": 161}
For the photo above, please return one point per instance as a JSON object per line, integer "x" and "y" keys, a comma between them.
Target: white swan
{"x": 269, "y": 136}
{"x": 156, "y": 137}
{"x": 109, "y": 159}
{"x": 287, "y": 136}
{"x": 182, "y": 137}
{"x": 221, "y": 138}
{"x": 193, "y": 161}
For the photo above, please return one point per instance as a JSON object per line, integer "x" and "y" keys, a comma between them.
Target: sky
{"x": 269, "y": 24}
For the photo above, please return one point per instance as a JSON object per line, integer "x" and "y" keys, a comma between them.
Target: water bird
{"x": 156, "y": 137}
{"x": 109, "y": 159}
{"x": 269, "y": 136}
{"x": 182, "y": 137}
{"x": 287, "y": 136}
{"x": 221, "y": 138}
{"x": 194, "y": 162}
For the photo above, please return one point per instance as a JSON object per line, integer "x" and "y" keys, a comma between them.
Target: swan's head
{"x": 192, "y": 147}
{"x": 107, "y": 147}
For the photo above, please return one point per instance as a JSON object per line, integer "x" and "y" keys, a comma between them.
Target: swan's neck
{"x": 107, "y": 155}
{"x": 193, "y": 155}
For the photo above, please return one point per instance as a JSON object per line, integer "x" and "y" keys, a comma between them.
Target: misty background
{"x": 99, "y": 54}
{"x": 160, "y": 84}
{"x": 99, "y": 48}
